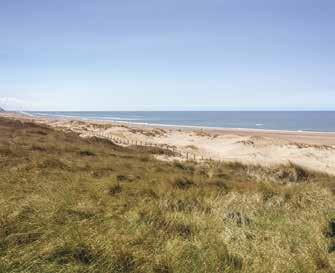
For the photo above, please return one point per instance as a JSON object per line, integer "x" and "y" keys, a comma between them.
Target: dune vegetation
{"x": 69, "y": 204}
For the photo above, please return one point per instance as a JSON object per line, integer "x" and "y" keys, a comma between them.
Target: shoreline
{"x": 176, "y": 126}
{"x": 312, "y": 150}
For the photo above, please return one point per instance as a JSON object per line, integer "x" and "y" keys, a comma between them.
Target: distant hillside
{"x": 2, "y": 110}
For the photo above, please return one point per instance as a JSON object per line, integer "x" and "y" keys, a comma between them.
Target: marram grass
{"x": 73, "y": 205}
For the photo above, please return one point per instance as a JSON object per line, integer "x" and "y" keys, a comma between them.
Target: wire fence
{"x": 183, "y": 155}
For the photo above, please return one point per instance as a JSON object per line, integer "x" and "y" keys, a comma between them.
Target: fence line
{"x": 126, "y": 142}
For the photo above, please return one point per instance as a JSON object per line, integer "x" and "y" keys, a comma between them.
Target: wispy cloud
{"x": 12, "y": 103}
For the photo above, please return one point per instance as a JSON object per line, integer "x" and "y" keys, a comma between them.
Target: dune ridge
{"x": 315, "y": 151}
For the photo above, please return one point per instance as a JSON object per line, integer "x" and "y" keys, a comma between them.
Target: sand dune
{"x": 312, "y": 150}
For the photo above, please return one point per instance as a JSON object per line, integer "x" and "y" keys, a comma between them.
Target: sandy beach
{"x": 312, "y": 150}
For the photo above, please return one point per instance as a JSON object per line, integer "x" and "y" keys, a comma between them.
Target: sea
{"x": 313, "y": 121}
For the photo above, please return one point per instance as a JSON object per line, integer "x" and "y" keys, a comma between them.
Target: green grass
{"x": 69, "y": 204}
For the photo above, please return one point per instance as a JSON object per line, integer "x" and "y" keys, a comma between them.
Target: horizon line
{"x": 176, "y": 110}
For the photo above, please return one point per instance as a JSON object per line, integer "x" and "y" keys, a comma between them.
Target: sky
{"x": 167, "y": 55}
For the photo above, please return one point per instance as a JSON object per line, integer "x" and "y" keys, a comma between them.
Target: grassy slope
{"x": 74, "y": 205}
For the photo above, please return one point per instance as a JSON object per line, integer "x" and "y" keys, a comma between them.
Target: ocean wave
{"x": 55, "y": 115}
{"x": 25, "y": 113}
{"x": 181, "y": 123}
{"x": 115, "y": 118}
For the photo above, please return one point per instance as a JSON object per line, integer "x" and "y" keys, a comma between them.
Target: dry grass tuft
{"x": 69, "y": 204}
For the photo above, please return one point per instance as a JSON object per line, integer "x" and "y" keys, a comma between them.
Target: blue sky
{"x": 167, "y": 55}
